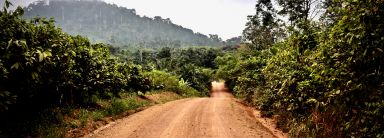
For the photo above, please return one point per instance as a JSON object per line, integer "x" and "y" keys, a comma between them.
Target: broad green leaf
{"x": 47, "y": 54}
{"x": 16, "y": 65}
{"x": 41, "y": 57}
{"x": 34, "y": 75}
{"x": 9, "y": 43}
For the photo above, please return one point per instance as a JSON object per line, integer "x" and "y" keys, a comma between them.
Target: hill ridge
{"x": 120, "y": 26}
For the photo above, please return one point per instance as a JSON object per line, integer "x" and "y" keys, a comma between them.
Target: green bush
{"x": 324, "y": 82}
{"x": 119, "y": 106}
{"x": 57, "y": 68}
{"x": 42, "y": 68}
{"x": 187, "y": 90}
{"x": 165, "y": 81}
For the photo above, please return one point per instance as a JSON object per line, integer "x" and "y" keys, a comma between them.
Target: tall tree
{"x": 264, "y": 28}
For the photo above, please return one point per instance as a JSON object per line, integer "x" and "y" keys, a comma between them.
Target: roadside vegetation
{"x": 52, "y": 82}
{"x": 314, "y": 66}
{"x": 319, "y": 77}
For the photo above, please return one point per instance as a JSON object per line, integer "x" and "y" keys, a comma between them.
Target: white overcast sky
{"x": 226, "y": 18}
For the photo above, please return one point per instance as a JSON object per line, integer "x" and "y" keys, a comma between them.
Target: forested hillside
{"x": 313, "y": 66}
{"x": 57, "y": 82}
{"x": 119, "y": 26}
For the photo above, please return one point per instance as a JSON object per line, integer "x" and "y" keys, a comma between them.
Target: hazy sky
{"x": 226, "y": 18}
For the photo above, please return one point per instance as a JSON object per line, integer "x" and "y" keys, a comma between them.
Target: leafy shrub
{"x": 122, "y": 105}
{"x": 57, "y": 68}
{"x": 42, "y": 68}
{"x": 186, "y": 90}
{"x": 117, "y": 106}
{"x": 324, "y": 82}
{"x": 165, "y": 81}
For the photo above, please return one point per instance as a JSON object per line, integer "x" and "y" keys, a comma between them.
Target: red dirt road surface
{"x": 219, "y": 116}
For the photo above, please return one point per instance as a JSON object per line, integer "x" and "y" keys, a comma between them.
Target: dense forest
{"x": 119, "y": 26}
{"x": 47, "y": 73}
{"x": 313, "y": 65}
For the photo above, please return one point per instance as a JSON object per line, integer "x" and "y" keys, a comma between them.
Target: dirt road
{"x": 219, "y": 116}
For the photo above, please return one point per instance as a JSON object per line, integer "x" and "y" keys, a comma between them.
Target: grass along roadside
{"x": 77, "y": 122}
